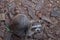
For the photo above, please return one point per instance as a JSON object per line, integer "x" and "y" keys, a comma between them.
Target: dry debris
{"x": 47, "y": 11}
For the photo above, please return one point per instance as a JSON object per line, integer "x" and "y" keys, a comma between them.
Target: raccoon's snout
{"x": 37, "y": 29}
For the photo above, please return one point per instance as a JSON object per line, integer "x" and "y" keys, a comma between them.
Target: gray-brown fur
{"x": 20, "y": 24}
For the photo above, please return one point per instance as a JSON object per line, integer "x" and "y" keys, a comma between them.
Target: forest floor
{"x": 46, "y": 10}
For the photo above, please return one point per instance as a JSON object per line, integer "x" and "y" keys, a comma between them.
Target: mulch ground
{"x": 47, "y": 11}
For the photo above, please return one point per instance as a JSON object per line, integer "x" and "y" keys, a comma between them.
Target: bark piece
{"x": 39, "y": 5}
{"x": 31, "y": 12}
{"x": 56, "y": 12}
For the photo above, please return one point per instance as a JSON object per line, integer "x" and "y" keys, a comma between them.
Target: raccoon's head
{"x": 35, "y": 27}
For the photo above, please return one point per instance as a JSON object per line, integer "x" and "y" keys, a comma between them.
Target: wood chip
{"x": 2, "y": 16}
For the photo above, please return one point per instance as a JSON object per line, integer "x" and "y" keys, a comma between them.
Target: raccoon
{"x": 21, "y": 26}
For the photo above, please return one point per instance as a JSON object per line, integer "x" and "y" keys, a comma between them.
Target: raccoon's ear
{"x": 35, "y": 21}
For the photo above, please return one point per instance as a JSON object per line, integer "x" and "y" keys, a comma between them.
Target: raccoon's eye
{"x": 33, "y": 29}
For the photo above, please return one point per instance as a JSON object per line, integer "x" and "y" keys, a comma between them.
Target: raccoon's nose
{"x": 38, "y": 30}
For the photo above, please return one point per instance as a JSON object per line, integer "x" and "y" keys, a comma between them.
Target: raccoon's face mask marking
{"x": 35, "y": 28}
